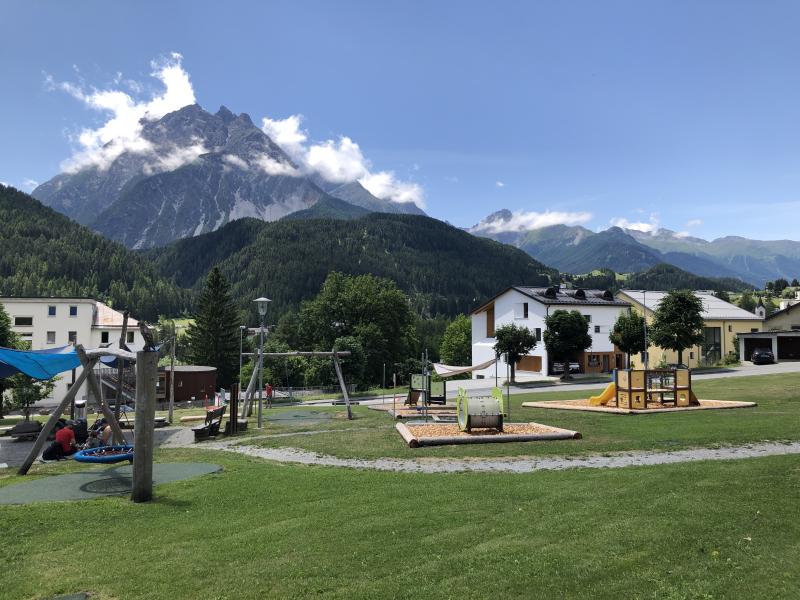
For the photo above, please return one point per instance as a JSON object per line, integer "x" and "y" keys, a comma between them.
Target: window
{"x": 51, "y": 337}
{"x": 597, "y": 328}
{"x": 521, "y": 310}
{"x": 73, "y": 311}
{"x": 588, "y": 318}
{"x": 103, "y": 337}
{"x": 51, "y": 311}
{"x": 730, "y": 328}
{"x": 754, "y": 330}
{"x": 72, "y": 337}
{"x": 23, "y": 321}
{"x": 129, "y": 337}
{"x": 691, "y": 355}
{"x": 538, "y": 334}
{"x": 490, "y": 321}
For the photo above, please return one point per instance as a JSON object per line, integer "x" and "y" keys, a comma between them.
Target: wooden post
{"x": 51, "y": 422}
{"x": 248, "y": 395}
{"x": 121, "y": 363}
{"x": 338, "y": 368}
{"x": 172, "y": 375}
{"x": 94, "y": 390}
{"x": 146, "y": 381}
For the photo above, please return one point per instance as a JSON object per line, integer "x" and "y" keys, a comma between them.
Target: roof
{"x": 557, "y": 296}
{"x": 768, "y": 332}
{"x": 713, "y": 307}
{"x": 105, "y": 316}
{"x": 783, "y": 311}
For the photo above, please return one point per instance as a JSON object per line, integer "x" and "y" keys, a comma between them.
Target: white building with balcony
{"x": 53, "y": 322}
{"x": 529, "y": 307}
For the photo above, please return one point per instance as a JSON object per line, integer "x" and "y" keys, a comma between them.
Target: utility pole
{"x": 172, "y": 373}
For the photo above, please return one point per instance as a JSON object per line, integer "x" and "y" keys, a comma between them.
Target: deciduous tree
{"x": 628, "y": 334}
{"x": 515, "y": 341}
{"x": 567, "y": 335}
{"x": 678, "y": 322}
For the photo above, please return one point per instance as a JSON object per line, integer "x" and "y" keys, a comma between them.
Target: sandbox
{"x": 584, "y": 405}
{"x": 441, "y": 434}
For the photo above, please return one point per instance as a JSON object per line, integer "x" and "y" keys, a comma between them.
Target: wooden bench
{"x": 211, "y": 426}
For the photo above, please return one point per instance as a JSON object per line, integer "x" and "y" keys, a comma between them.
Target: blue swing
{"x": 98, "y": 455}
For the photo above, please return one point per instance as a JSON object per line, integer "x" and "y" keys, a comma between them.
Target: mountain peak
{"x": 225, "y": 114}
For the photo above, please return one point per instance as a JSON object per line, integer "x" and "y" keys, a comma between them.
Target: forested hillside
{"x": 43, "y": 253}
{"x": 659, "y": 277}
{"x": 443, "y": 269}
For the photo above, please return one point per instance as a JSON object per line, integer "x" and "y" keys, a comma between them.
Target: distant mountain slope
{"x": 43, "y": 253}
{"x": 329, "y": 208}
{"x": 576, "y": 249}
{"x": 757, "y": 261}
{"x": 444, "y": 269}
{"x": 196, "y": 172}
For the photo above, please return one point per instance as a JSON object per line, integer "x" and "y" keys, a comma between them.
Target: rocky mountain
{"x": 445, "y": 270}
{"x": 197, "y": 172}
{"x": 575, "y": 249}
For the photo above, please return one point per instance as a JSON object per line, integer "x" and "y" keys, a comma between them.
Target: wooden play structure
{"x": 424, "y": 391}
{"x": 639, "y": 389}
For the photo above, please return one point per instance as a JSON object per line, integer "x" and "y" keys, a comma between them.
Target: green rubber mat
{"x": 300, "y": 417}
{"x": 87, "y": 484}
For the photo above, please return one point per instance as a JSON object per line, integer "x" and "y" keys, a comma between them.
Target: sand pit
{"x": 440, "y": 434}
{"x": 583, "y": 405}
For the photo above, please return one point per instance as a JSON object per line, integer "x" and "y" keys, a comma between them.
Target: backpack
{"x": 53, "y": 452}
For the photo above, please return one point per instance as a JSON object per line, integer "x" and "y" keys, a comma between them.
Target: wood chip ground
{"x": 451, "y": 430}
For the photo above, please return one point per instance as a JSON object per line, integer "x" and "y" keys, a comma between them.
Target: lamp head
{"x": 262, "y": 305}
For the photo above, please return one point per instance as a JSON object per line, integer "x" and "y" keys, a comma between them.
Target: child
{"x": 93, "y": 441}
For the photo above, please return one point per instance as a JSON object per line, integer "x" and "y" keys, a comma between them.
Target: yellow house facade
{"x": 723, "y": 322}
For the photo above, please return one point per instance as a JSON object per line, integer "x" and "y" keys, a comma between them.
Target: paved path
{"x": 510, "y": 465}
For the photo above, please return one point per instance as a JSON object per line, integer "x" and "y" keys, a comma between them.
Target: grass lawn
{"x": 258, "y": 530}
{"x": 777, "y": 417}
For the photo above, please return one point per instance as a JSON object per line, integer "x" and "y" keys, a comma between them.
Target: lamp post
{"x": 242, "y": 329}
{"x": 262, "y": 311}
{"x": 644, "y": 312}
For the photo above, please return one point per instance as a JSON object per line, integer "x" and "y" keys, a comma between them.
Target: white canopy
{"x": 448, "y": 370}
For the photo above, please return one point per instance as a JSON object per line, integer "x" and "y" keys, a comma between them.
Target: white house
{"x": 529, "y": 307}
{"x": 53, "y": 322}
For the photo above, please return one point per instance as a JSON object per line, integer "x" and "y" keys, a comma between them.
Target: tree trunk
{"x": 680, "y": 356}
{"x": 2, "y": 395}
{"x": 513, "y": 372}
{"x": 628, "y": 360}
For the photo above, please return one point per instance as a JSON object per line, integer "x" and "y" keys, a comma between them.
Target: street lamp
{"x": 262, "y": 311}
{"x": 242, "y": 329}
{"x": 644, "y": 312}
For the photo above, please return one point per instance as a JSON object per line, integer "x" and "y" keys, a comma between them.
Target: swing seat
{"x": 98, "y": 455}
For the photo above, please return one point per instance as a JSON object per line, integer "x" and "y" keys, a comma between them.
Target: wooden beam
{"x": 342, "y": 353}
{"x": 98, "y": 352}
{"x": 339, "y": 375}
{"x": 248, "y": 395}
{"x": 146, "y": 382}
{"x": 120, "y": 364}
{"x": 54, "y": 417}
{"x": 94, "y": 390}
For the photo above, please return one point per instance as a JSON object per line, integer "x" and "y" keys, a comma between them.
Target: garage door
{"x": 789, "y": 348}
{"x": 530, "y": 363}
{"x": 754, "y": 344}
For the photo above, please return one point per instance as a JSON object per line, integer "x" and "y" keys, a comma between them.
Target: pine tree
{"x": 213, "y": 338}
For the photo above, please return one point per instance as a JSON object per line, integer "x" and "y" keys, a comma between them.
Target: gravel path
{"x": 510, "y": 465}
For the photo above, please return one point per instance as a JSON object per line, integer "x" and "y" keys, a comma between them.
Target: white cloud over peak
{"x": 339, "y": 161}
{"x": 650, "y": 226}
{"x": 123, "y": 131}
{"x": 274, "y": 167}
{"x": 694, "y": 222}
{"x": 29, "y": 184}
{"x": 235, "y": 161}
{"x": 681, "y": 234}
{"x": 525, "y": 221}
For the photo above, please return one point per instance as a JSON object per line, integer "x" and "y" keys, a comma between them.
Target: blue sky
{"x": 681, "y": 114}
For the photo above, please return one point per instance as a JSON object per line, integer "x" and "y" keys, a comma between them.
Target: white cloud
{"x": 235, "y": 161}
{"x": 29, "y": 184}
{"x": 694, "y": 223}
{"x": 500, "y": 184}
{"x": 650, "y": 226}
{"x": 123, "y": 131}
{"x": 339, "y": 161}
{"x": 176, "y": 157}
{"x": 274, "y": 167}
{"x": 525, "y": 221}
{"x": 680, "y": 234}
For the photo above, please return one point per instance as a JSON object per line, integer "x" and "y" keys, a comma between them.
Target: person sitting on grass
{"x": 106, "y": 435}
{"x": 66, "y": 438}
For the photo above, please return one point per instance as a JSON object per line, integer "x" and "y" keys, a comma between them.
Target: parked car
{"x": 558, "y": 368}
{"x": 574, "y": 367}
{"x": 762, "y": 356}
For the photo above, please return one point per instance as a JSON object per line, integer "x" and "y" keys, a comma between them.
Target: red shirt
{"x": 65, "y": 436}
